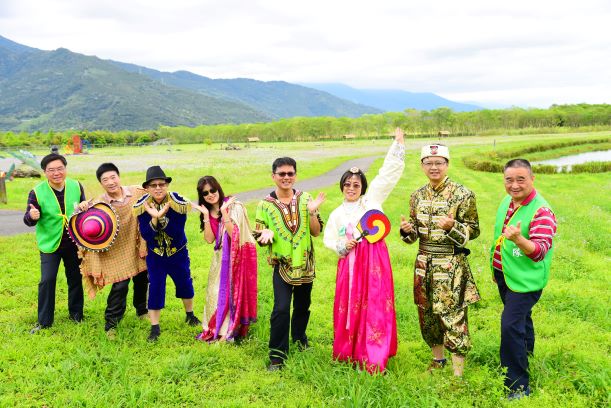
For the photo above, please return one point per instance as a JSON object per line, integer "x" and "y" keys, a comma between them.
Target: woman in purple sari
{"x": 364, "y": 318}
{"x": 231, "y": 298}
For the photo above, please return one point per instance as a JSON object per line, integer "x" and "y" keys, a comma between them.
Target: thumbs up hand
{"x": 406, "y": 227}
{"x": 446, "y": 223}
{"x": 512, "y": 233}
{"x": 34, "y": 213}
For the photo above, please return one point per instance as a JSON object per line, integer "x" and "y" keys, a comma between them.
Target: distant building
{"x": 443, "y": 133}
{"x": 253, "y": 139}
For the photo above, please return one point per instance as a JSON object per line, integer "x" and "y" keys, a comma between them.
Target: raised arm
{"x": 316, "y": 223}
{"x": 389, "y": 174}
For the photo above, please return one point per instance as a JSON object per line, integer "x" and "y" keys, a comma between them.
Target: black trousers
{"x": 517, "y": 332}
{"x": 49, "y": 267}
{"x": 281, "y": 316}
{"x": 117, "y": 299}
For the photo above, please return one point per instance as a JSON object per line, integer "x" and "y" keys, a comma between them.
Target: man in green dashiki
{"x": 286, "y": 221}
{"x": 443, "y": 215}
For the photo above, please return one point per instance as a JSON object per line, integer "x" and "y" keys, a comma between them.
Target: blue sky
{"x": 525, "y": 53}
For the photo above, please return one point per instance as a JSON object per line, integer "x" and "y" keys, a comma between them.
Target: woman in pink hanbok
{"x": 364, "y": 318}
{"x": 231, "y": 297}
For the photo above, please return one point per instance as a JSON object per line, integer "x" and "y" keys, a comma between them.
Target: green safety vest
{"x": 522, "y": 274}
{"x": 50, "y": 225}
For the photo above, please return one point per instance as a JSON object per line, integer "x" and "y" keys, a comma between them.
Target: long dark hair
{"x": 201, "y": 183}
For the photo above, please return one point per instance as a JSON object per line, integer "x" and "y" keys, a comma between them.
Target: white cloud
{"x": 521, "y": 52}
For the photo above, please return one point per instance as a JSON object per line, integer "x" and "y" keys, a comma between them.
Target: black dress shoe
{"x": 518, "y": 394}
{"x": 274, "y": 366}
{"x": 38, "y": 328}
{"x": 154, "y": 334}
{"x": 77, "y": 318}
{"x": 302, "y": 345}
{"x": 192, "y": 320}
{"x": 109, "y": 325}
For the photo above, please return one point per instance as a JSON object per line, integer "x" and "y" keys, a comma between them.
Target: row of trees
{"x": 415, "y": 123}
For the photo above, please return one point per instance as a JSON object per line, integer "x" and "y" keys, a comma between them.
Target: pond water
{"x": 568, "y": 161}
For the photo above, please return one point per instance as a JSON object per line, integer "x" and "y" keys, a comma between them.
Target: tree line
{"x": 415, "y": 123}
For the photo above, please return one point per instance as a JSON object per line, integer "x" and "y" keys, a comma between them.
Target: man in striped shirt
{"x": 520, "y": 259}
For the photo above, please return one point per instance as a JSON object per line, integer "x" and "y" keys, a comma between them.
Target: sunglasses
{"x": 211, "y": 191}
{"x": 351, "y": 185}
{"x": 285, "y": 174}
{"x": 157, "y": 185}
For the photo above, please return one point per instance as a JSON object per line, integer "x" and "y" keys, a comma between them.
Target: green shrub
{"x": 494, "y": 161}
{"x": 592, "y": 167}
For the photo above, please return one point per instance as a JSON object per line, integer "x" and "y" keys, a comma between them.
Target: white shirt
{"x": 347, "y": 215}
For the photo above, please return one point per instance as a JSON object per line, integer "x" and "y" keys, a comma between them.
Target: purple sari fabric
{"x": 237, "y": 293}
{"x": 225, "y": 284}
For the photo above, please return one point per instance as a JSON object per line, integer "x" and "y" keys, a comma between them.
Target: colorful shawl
{"x": 231, "y": 302}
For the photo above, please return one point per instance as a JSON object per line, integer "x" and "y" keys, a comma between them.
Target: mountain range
{"x": 277, "y": 99}
{"x": 392, "y": 100}
{"x": 61, "y": 89}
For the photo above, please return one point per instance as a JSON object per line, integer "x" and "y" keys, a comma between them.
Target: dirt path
{"x": 11, "y": 222}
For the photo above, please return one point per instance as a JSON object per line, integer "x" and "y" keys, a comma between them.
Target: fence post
{"x": 3, "y": 197}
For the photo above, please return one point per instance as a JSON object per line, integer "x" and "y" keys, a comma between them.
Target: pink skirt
{"x": 364, "y": 317}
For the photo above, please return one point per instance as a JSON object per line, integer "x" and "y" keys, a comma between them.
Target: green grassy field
{"x": 76, "y": 365}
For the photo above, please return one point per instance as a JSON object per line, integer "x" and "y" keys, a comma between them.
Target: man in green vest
{"x": 520, "y": 259}
{"x": 50, "y": 204}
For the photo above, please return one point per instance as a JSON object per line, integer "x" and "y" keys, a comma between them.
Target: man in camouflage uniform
{"x": 443, "y": 215}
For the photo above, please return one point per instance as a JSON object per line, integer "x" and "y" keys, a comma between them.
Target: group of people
{"x": 443, "y": 218}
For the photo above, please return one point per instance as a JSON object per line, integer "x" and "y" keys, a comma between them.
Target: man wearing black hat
{"x": 50, "y": 203}
{"x": 162, "y": 216}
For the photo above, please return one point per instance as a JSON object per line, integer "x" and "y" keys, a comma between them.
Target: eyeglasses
{"x": 285, "y": 174}
{"x": 56, "y": 170}
{"x": 157, "y": 185}
{"x": 434, "y": 164}
{"x": 211, "y": 191}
